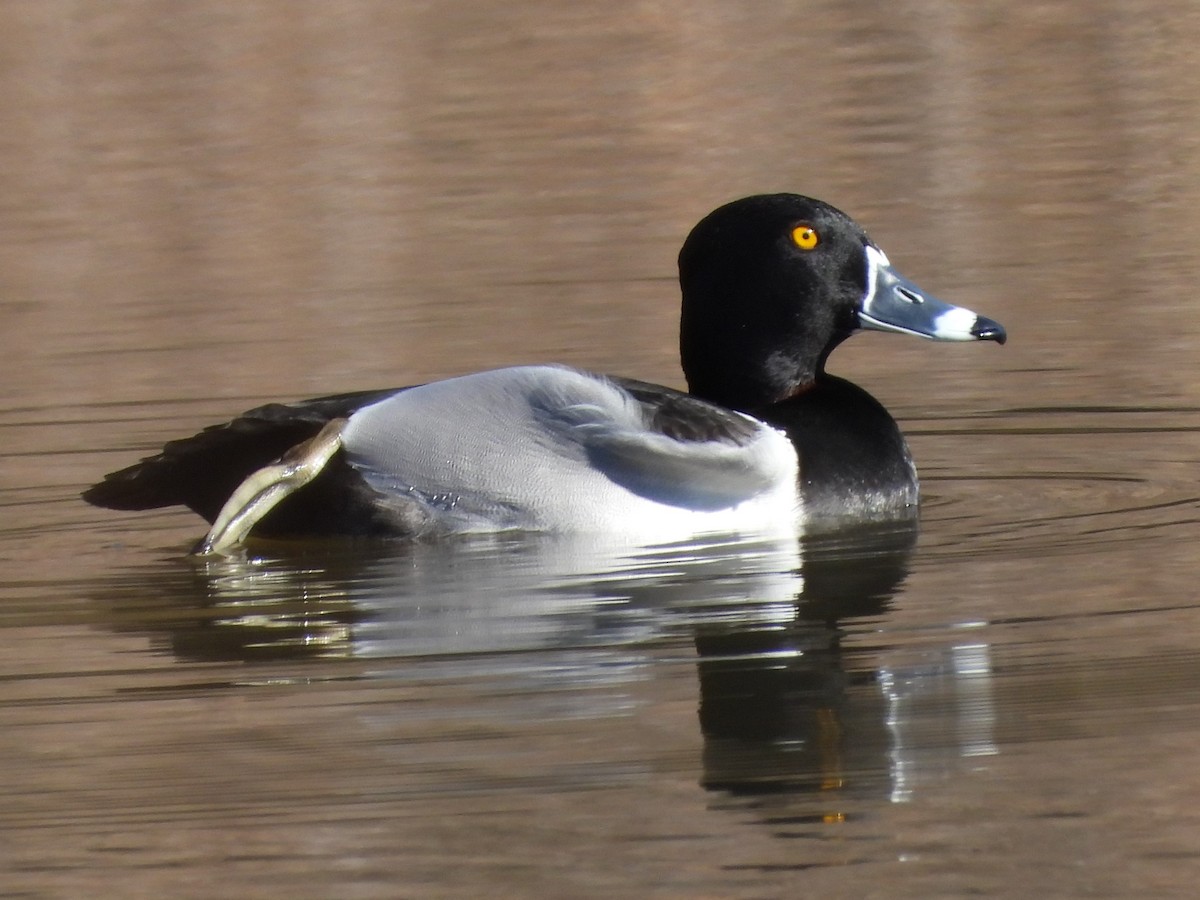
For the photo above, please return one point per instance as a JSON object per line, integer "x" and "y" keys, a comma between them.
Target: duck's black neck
{"x": 744, "y": 378}
{"x": 854, "y": 461}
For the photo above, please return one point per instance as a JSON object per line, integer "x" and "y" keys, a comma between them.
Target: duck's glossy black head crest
{"x": 773, "y": 283}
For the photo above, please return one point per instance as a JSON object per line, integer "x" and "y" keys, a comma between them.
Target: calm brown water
{"x": 209, "y": 205}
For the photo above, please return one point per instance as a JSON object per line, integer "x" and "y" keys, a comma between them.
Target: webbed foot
{"x": 265, "y": 488}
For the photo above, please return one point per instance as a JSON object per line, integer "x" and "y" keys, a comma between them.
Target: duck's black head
{"x": 772, "y": 283}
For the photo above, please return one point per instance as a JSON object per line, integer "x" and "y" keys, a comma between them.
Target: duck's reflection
{"x": 486, "y": 596}
{"x": 784, "y": 709}
{"x": 779, "y": 710}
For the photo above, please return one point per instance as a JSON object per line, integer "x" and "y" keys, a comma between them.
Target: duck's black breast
{"x": 854, "y": 461}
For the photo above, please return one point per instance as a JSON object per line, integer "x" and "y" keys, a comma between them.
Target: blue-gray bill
{"x": 893, "y": 303}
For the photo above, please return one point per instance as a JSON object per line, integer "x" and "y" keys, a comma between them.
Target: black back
{"x": 201, "y": 471}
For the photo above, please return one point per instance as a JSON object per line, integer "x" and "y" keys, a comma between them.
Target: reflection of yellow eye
{"x": 805, "y": 237}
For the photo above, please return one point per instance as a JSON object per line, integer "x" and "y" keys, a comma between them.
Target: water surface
{"x": 210, "y": 208}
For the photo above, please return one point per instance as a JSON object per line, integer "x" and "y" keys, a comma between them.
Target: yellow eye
{"x": 805, "y": 237}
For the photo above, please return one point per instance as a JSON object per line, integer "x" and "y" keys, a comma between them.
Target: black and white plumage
{"x": 763, "y": 440}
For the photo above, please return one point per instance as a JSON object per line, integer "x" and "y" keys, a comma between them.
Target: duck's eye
{"x": 805, "y": 237}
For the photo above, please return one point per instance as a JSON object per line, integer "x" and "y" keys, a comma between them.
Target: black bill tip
{"x": 988, "y": 330}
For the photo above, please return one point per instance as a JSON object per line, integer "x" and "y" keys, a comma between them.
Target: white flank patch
{"x": 549, "y": 448}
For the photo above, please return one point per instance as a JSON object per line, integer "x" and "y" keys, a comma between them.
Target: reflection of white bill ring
{"x": 265, "y": 488}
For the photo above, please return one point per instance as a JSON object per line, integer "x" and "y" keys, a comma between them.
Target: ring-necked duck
{"x": 764, "y": 438}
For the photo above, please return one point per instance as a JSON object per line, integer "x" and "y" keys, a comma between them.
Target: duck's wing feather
{"x": 200, "y": 472}
{"x": 679, "y": 450}
{"x": 686, "y": 418}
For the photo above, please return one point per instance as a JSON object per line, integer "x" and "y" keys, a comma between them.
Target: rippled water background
{"x": 205, "y": 206}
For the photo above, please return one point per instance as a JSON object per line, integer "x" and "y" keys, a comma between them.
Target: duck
{"x": 763, "y": 437}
